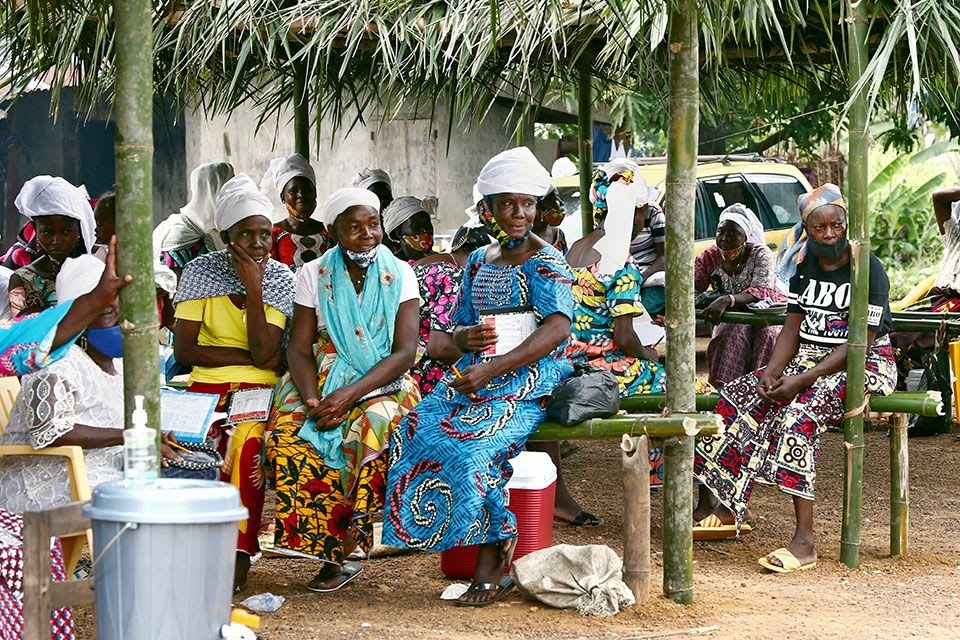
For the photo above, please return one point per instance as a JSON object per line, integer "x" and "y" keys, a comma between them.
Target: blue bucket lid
{"x": 166, "y": 501}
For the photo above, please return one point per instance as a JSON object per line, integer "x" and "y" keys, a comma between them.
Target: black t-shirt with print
{"x": 824, "y": 299}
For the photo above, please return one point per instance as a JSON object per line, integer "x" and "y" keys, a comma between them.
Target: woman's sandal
{"x": 348, "y": 572}
{"x": 712, "y": 528}
{"x": 507, "y": 549}
{"x": 788, "y": 562}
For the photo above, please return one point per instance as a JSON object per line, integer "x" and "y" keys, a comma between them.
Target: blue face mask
{"x": 363, "y": 259}
{"x": 107, "y": 341}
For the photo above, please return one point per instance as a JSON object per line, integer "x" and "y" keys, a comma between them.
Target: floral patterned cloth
{"x": 295, "y": 251}
{"x": 737, "y": 349}
{"x": 600, "y": 299}
{"x": 73, "y": 390}
{"x": 779, "y": 444}
{"x": 38, "y": 292}
{"x": 315, "y": 509}
{"x": 439, "y": 288}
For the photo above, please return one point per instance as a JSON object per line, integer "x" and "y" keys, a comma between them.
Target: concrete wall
{"x": 412, "y": 149}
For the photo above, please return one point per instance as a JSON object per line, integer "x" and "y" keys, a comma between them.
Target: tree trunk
{"x": 301, "y": 109}
{"x": 681, "y": 362}
{"x": 585, "y": 120}
{"x": 133, "y": 108}
{"x": 859, "y": 234}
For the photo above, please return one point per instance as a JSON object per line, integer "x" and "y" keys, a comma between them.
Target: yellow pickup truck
{"x": 768, "y": 186}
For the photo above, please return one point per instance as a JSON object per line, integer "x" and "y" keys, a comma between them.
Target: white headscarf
{"x": 48, "y": 196}
{"x": 205, "y": 183}
{"x": 78, "y": 277}
{"x": 515, "y": 170}
{"x": 342, "y": 199}
{"x": 746, "y": 219}
{"x": 238, "y": 200}
{"x": 369, "y": 177}
{"x": 283, "y": 170}
{"x": 404, "y": 208}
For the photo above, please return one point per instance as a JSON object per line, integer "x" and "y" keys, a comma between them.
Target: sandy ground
{"x": 884, "y": 598}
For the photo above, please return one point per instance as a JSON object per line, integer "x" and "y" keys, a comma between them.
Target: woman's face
{"x": 358, "y": 229}
{"x": 515, "y": 213}
{"x": 415, "y": 236}
{"x": 109, "y": 317}
{"x": 730, "y": 236}
{"x": 106, "y": 217}
{"x": 300, "y": 195}
{"x": 640, "y": 215}
{"x": 254, "y": 235}
{"x": 550, "y": 210}
{"x": 57, "y": 235}
{"x": 827, "y": 224}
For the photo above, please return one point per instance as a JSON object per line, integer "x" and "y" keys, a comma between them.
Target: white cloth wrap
{"x": 205, "y": 183}
{"x": 238, "y": 200}
{"x": 401, "y": 210}
{"x": 614, "y": 246}
{"x": 283, "y": 170}
{"x": 78, "y": 276}
{"x": 369, "y": 177}
{"x": 48, "y": 196}
{"x": 515, "y": 170}
{"x": 564, "y": 576}
{"x": 342, "y": 199}
{"x": 746, "y": 219}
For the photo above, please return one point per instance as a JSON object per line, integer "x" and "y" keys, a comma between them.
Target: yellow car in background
{"x": 768, "y": 186}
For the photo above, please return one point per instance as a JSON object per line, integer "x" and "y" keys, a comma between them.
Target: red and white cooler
{"x": 531, "y": 493}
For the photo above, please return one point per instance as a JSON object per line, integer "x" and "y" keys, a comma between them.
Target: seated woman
{"x": 77, "y": 400}
{"x": 774, "y": 416}
{"x": 378, "y": 182}
{"x": 607, "y": 298}
{"x": 353, "y": 340}
{"x": 185, "y": 235}
{"x": 65, "y": 228}
{"x": 298, "y": 238}
{"x": 739, "y": 268}
{"x": 449, "y": 459}
{"x": 649, "y": 237}
{"x": 440, "y": 276}
{"x": 408, "y": 229}
{"x": 232, "y": 307}
{"x": 550, "y": 214}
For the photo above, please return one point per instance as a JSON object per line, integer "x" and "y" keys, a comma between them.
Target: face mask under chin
{"x": 827, "y": 251}
{"x": 363, "y": 259}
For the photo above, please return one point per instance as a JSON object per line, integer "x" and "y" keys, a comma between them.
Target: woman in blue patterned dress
{"x": 449, "y": 457}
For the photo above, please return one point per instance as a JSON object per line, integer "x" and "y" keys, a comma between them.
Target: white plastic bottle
{"x": 140, "y": 448}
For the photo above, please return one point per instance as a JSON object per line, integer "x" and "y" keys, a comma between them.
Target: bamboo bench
{"x": 643, "y": 422}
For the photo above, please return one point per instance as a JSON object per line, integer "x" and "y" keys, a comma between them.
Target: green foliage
{"x": 904, "y": 231}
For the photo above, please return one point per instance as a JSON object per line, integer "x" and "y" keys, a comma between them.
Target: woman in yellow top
{"x": 232, "y": 307}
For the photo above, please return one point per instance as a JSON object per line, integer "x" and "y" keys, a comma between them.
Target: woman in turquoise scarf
{"x": 353, "y": 341}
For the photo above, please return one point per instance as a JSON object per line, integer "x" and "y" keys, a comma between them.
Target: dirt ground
{"x": 916, "y": 596}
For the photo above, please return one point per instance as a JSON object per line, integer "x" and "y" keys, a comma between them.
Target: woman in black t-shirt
{"x": 774, "y": 416}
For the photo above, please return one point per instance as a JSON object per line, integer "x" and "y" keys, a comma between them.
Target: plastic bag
{"x": 589, "y": 393}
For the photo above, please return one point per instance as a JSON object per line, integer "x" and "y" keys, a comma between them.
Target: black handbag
{"x": 589, "y": 393}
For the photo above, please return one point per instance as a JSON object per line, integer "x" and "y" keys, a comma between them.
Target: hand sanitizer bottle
{"x": 140, "y": 448}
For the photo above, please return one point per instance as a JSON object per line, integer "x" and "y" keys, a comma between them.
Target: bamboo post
{"x": 133, "y": 106}
{"x": 681, "y": 183}
{"x": 301, "y": 109}
{"x": 858, "y": 232}
{"x": 636, "y": 516}
{"x": 899, "y": 486}
{"x": 585, "y": 121}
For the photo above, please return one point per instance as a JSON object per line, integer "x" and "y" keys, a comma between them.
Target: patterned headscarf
{"x": 213, "y": 275}
{"x": 790, "y": 255}
{"x": 823, "y": 195}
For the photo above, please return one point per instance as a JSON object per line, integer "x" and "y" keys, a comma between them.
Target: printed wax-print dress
{"x": 439, "y": 288}
{"x": 296, "y": 250}
{"x": 599, "y": 300}
{"x": 449, "y": 457}
{"x": 39, "y": 292}
{"x": 317, "y": 506}
{"x": 737, "y": 349}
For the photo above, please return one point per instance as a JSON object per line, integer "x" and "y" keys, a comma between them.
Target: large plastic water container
{"x": 164, "y": 556}
{"x": 531, "y": 490}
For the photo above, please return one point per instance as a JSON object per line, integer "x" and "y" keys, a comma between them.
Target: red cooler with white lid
{"x": 531, "y": 493}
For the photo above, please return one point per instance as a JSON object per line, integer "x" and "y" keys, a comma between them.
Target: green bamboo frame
{"x": 921, "y": 403}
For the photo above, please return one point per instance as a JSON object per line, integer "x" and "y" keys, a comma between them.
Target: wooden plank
{"x": 36, "y": 575}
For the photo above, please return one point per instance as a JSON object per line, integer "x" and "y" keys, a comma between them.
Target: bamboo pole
{"x": 301, "y": 109}
{"x": 901, "y": 322}
{"x": 899, "y": 486}
{"x": 681, "y": 183}
{"x": 133, "y": 145}
{"x": 636, "y": 516}
{"x": 585, "y": 147}
{"x": 921, "y": 403}
{"x": 858, "y": 232}
{"x": 653, "y": 426}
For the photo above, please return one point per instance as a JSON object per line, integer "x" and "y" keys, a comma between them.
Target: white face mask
{"x": 363, "y": 259}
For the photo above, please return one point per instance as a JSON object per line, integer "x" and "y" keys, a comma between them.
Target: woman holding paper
{"x": 353, "y": 341}
{"x": 232, "y": 307}
{"x": 449, "y": 458}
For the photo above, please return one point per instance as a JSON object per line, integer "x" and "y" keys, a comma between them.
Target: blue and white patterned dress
{"x": 448, "y": 458}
